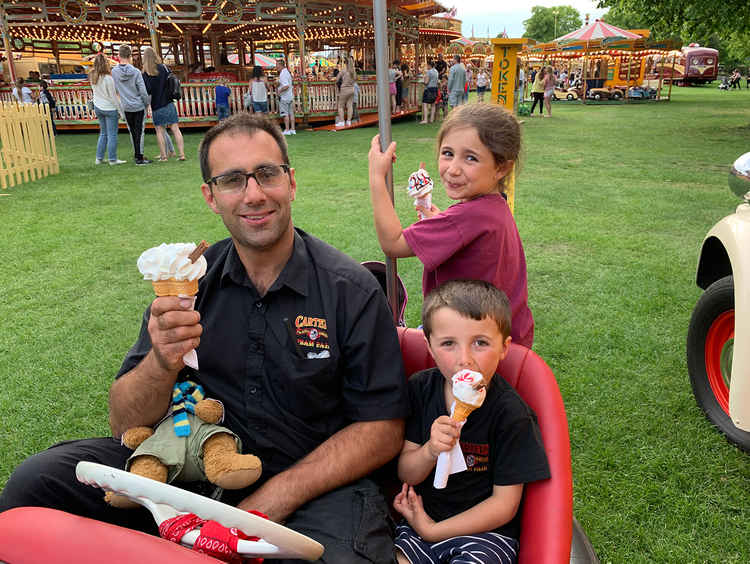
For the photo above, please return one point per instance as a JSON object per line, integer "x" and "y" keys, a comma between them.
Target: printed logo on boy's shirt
{"x": 476, "y": 456}
{"x": 311, "y": 332}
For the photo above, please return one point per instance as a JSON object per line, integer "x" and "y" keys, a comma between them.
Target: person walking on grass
{"x": 134, "y": 99}
{"x": 163, "y": 110}
{"x": 456, "y": 82}
{"x": 430, "y": 94}
{"x": 537, "y": 91}
{"x": 108, "y": 110}
{"x": 549, "y": 88}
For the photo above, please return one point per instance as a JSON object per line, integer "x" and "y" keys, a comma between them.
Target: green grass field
{"x": 612, "y": 204}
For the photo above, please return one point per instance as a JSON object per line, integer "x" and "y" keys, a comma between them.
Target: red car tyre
{"x": 710, "y": 343}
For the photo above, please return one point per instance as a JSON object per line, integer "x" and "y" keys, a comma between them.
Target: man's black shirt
{"x": 284, "y": 398}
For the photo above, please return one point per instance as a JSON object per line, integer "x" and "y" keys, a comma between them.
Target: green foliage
{"x": 612, "y": 203}
{"x": 623, "y": 18}
{"x": 546, "y": 24}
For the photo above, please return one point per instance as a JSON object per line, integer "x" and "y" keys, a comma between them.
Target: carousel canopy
{"x": 324, "y": 21}
{"x": 261, "y": 60}
{"x": 597, "y": 30}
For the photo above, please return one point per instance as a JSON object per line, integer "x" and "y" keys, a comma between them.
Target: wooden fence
{"x": 313, "y": 101}
{"x": 27, "y": 144}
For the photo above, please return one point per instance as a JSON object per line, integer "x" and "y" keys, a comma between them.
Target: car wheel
{"x": 710, "y": 342}
{"x": 616, "y": 95}
{"x": 555, "y": 98}
{"x": 570, "y": 96}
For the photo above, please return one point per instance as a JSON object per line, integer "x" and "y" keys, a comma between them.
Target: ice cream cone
{"x": 173, "y": 287}
{"x": 462, "y": 411}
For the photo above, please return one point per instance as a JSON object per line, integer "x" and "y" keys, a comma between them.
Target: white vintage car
{"x": 719, "y": 370}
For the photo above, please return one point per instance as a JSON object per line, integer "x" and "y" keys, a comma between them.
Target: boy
{"x": 467, "y": 326}
{"x": 222, "y": 99}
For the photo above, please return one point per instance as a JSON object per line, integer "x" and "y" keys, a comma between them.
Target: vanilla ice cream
{"x": 169, "y": 261}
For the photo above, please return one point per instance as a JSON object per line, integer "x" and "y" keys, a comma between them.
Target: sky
{"x": 498, "y": 15}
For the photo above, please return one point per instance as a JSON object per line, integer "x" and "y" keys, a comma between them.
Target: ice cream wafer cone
{"x": 462, "y": 410}
{"x": 173, "y": 287}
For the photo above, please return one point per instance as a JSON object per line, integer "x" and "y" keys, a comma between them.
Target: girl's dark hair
{"x": 497, "y": 128}
{"x": 474, "y": 299}
{"x": 257, "y": 71}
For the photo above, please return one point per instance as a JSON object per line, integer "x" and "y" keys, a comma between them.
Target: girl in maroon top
{"x": 476, "y": 238}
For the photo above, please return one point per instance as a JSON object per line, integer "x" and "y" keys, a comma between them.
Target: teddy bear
{"x": 188, "y": 446}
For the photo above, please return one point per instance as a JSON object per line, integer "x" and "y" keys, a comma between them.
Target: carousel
{"x": 202, "y": 41}
{"x": 604, "y": 62}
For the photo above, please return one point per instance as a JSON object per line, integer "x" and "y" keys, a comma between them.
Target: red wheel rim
{"x": 718, "y": 357}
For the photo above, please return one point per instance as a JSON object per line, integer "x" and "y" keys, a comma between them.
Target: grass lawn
{"x": 612, "y": 204}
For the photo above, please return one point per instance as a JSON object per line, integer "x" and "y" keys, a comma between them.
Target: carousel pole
{"x": 301, "y": 24}
{"x": 384, "y": 125}
{"x": 152, "y": 25}
{"x": 6, "y": 44}
{"x": 669, "y": 92}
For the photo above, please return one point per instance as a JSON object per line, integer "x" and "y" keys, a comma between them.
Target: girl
{"x": 22, "y": 94}
{"x": 476, "y": 237}
{"x": 537, "y": 91}
{"x": 394, "y": 75}
{"x": 549, "y": 89}
{"x": 483, "y": 80}
{"x": 163, "y": 110}
{"x": 259, "y": 90}
{"x": 107, "y": 108}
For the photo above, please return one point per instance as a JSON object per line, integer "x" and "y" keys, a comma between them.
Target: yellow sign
{"x": 505, "y": 71}
{"x": 504, "y": 86}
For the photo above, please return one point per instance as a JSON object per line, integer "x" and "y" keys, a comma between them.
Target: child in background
{"x": 475, "y": 517}
{"x": 222, "y": 99}
{"x": 442, "y": 102}
{"x": 477, "y": 237}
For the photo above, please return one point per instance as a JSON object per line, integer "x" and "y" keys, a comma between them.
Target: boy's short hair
{"x": 124, "y": 51}
{"x": 475, "y": 299}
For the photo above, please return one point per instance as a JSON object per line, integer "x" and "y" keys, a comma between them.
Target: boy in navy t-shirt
{"x": 475, "y": 517}
{"x": 222, "y": 99}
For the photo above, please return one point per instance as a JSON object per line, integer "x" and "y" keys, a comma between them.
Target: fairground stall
{"x": 201, "y": 41}
{"x": 603, "y": 62}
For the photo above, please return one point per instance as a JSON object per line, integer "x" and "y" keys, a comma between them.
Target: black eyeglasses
{"x": 267, "y": 176}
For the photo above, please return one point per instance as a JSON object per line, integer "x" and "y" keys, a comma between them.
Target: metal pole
{"x": 384, "y": 126}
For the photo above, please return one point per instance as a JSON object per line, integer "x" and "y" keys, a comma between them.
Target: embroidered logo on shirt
{"x": 311, "y": 332}
{"x": 476, "y": 456}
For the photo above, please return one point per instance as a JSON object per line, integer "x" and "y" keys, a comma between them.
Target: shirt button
{"x": 259, "y": 304}
{"x": 253, "y": 390}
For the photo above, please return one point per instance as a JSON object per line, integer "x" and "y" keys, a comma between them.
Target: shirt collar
{"x": 294, "y": 274}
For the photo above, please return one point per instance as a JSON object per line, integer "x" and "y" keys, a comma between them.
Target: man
{"x": 440, "y": 65}
{"x": 286, "y": 97}
{"x": 292, "y": 336}
{"x": 134, "y": 97}
{"x": 456, "y": 82}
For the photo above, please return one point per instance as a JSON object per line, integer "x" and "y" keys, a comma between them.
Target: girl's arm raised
{"x": 387, "y": 223}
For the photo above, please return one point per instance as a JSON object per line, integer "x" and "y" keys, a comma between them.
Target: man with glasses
{"x": 293, "y": 336}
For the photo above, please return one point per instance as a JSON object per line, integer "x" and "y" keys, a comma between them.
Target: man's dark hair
{"x": 474, "y": 299}
{"x": 241, "y": 122}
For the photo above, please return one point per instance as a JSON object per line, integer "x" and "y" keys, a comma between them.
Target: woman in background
{"x": 107, "y": 108}
{"x": 163, "y": 110}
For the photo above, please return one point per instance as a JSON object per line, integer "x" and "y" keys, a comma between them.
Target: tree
{"x": 694, "y": 22}
{"x": 546, "y": 24}
{"x": 687, "y": 18}
{"x": 624, "y": 19}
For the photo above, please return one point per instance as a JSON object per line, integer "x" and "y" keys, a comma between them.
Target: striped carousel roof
{"x": 597, "y": 30}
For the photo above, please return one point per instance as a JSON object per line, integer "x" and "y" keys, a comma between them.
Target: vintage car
{"x": 605, "y": 94}
{"x": 719, "y": 370}
{"x": 565, "y": 94}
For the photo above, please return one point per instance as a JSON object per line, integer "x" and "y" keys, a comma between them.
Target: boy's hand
{"x": 443, "y": 435}
{"x": 409, "y": 504}
{"x": 380, "y": 162}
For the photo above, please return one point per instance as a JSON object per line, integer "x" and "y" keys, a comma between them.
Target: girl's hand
{"x": 409, "y": 504}
{"x": 380, "y": 162}
{"x": 443, "y": 435}
{"x": 433, "y": 211}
